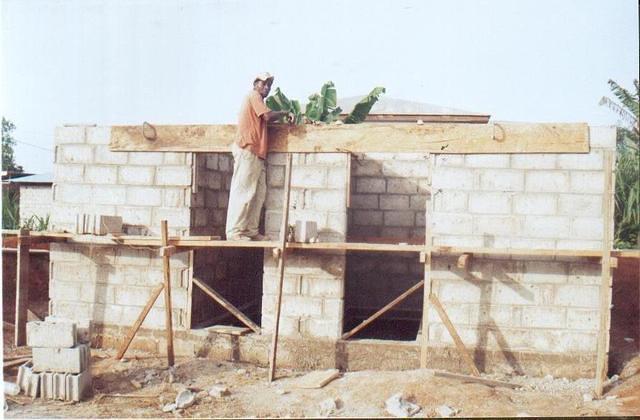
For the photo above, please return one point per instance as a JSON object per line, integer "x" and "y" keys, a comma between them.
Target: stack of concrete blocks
{"x": 313, "y": 291}
{"x": 61, "y": 364}
{"x": 98, "y": 224}
{"x": 388, "y": 196}
{"x": 526, "y": 201}
{"x": 111, "y": 284}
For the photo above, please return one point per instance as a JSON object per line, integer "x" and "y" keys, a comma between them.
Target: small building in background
{"x": 36, "y": 198}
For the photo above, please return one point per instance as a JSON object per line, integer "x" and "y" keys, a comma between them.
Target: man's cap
{"x": 264, "y": 76}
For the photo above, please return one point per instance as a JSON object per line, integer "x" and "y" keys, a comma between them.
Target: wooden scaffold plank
{"x": 498, "y": 137}
{"x": 166, "y": 269}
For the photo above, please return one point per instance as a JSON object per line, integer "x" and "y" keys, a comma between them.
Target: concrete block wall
{"x": 549, "y": 201}
{"x": 142, "y": 187}
{"x": 210, "y": 194}
{"x": 35, "y": 200}
{"x": 313, "y": 291}
{"x": 111, "y": 285}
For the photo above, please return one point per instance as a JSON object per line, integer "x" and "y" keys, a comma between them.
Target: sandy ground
{"x": 149, "y": 386}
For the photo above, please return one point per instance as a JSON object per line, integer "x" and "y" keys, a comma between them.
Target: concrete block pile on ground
{"x": 60, "y": 367}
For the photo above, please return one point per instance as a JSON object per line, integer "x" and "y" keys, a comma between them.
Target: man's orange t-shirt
{"x": 252, "y": 128}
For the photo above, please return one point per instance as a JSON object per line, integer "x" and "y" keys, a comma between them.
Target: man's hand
{"x": 275, "y": 115}
{"x": 291, "y": 118}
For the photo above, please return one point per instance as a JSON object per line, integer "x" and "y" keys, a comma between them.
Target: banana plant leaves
{"x": 362, "y": 108}
{"x": 279, "y": 102}
{"x": 323, "y": 107}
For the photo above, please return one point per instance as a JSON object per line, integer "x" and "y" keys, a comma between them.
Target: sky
{"x": 191, "y": 62}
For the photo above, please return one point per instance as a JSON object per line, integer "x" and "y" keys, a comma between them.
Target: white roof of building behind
{"x": 46, "y": 178}
{"x": 387, "y": 105}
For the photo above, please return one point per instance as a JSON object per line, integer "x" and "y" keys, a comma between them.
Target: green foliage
{"x": 279, "y": 102}
{"x": 8, "y": 143}
{"x": 362, "y": 108}
{"x": 36, "y": 223}
{"x": 627, "y": 194}
{"x": 10, "y": 209}
{"x": 323, "y": 107}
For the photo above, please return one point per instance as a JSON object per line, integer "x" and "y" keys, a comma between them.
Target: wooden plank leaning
{"x": 164, "y": 231}
{"x": 454, "y": 334}
{"x": 386, "y": 308}
{"x": 426, "y": 259}
{"x": 605, "y": 285}
{"x": 284, "y": 228}
{"x": 226, "y": 305}
{"x": 22, "y": 288}
{"x": 136, "y": 326}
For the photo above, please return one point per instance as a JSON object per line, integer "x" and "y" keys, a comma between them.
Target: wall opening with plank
{"x": 387, "y": 204}
{"x": 235, "y": 274}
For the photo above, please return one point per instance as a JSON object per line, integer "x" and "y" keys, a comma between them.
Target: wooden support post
{"x": 284, "y": 230}
{"x": 454, "y": 334}
{"x": 22, "y": 288}
{"x": 464, "y": 261}
{"x": 605, "y": 285}
{"x": 136, "y": 326}
{"x": 426, "y": 258}
{"x": 386, "y": 308}
{"x": 227, "y": 305}
{"x": 164, "y": 231}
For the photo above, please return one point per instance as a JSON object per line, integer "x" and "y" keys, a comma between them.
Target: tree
{"x": 627, "y": 200}
{"x": 8, "y": 142}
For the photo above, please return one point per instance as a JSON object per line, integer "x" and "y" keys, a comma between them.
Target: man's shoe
{"x": 239, "y": 238}
{"x": 259, "y": 237}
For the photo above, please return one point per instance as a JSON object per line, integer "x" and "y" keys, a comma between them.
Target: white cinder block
{"x": 533, "y": 161}
{"x": 144, "y": 196}
{"x": 301, "y": 306}
{"x": 453, "y": 178}
{"x": 547, "y": 227}
{"x": 452, "y": 224}
{"x": 580, "y": 205}
{"x": 501, "y": 180}
{"x": 173, "y": 175}
{"x": 547, "y": 181}
{"x": 96, "y": 174}
{"x": 146, "y": 158}
{"x": 108, "y": 194}
{"x": 582, "y": 161}
{"x": 309, "y": 177}
{"x": 74, "y": 153}
{"x": 77, "y": 386}
{"x": 577, "y": 296}
{"x": 51, "y": 334}
{"x": 98, "y": 135}
{"x": 68, "y": 173}
{"x": 105, "y": 156}
{"x": 84, "y": 327}
{"x": 487, "y": 161}
{"x": 67, "y": 135}
{"x": 64, "y": 360}
{"x": 602, "y": 136}
{"x": 587, "y": 228}
{"x": 450, "y": 201}
{"x": 489, "y": 203}
{"x": 534, "y": 204}
{"x": 135, "y": 175}
{"x": 590, "y": 182}
{"x": 305, "y": 230}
